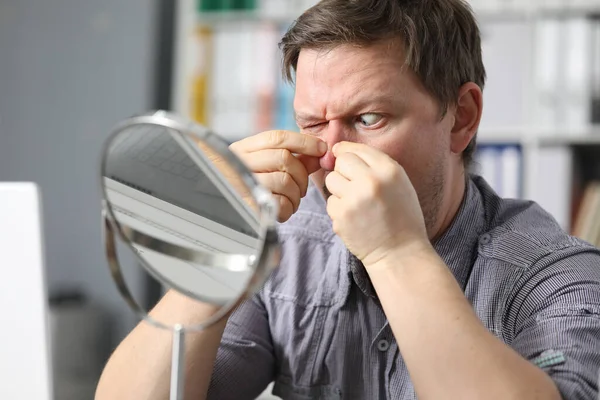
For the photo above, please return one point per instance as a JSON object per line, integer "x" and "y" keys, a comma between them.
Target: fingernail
{"x": 334, "y": 147}
{"x": 323, "y": 147}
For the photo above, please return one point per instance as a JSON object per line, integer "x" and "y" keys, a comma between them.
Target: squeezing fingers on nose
{"x": 293, "y": 141}
{"x": 278, "y": 160}
{"x": 337, "y": 184}
{"x": 351, "y": 166}
{"x": 282, "y": 183}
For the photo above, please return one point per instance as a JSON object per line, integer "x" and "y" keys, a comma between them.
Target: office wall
{"x": 69, "y": 70}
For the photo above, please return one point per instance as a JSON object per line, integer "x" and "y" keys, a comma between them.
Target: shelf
{"x": 540, "y": 137}
{"x": 517, "y": 9}
{"x": 499, "y": 136}
{"x": 235, "y": 17}
{"x": 575, "y": 140}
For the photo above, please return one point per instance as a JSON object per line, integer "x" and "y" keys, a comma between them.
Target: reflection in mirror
{"x": 189, "y": 216}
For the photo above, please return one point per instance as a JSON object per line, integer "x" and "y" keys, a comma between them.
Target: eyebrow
{"x": 302, "y": 118}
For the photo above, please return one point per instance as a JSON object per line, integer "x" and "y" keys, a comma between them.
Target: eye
{"x": 369, "y": 119}
{"x": 314, "y": 127}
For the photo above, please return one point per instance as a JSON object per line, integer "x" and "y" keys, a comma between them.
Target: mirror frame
{"x": 268, "y": 252}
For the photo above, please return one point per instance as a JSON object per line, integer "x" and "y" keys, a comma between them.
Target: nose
{"x": 334, "y": 133}
{"x": 327, "y": 162}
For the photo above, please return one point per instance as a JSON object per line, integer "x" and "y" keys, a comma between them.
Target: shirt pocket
{"x": 285, "y": 389}
{"x": 296, "y": 334}
{"x": 311, "y": 283}
{"x": 311, "y": 273}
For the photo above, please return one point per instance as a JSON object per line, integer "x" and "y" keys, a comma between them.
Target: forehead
{"x": 345, "y": 72}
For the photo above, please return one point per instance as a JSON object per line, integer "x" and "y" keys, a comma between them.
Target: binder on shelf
{"x": 266, "y": 76}
{"x": 546, "y": 73}
{"x": 506, "y": 49}
{"x": 501, "y": 166}
{"x": 233, "y": 98}
{"x": 595, "y": 66}
{"x": 577, "y": 75}
{"x": 225, "y": 5}
{"x": 274, "y": 8}
{"x": 284, "y": 114}
{"x": 243, "y": 4}
{"x": 512, "y": 172}
{"x": 488, "y": 160}
{"x": 201, "y": 75}
{"x": 209, "y": 5}
{"x": 237, "y": 87}
{"x": 587, "y": 222}
{"x": 551, "y": 188}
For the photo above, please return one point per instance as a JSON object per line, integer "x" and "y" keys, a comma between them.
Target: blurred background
{"x": 71, "y": 69}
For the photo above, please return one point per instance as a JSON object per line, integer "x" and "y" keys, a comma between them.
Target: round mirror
{"x": 188, "y": 212}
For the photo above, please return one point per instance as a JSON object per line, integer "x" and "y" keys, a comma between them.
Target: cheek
{"x": 417, "y": 151}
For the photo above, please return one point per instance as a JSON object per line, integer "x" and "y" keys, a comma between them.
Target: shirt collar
{"x": 457, "y": 246}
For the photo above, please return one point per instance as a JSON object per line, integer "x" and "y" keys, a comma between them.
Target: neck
{"x": 450, "y": 205}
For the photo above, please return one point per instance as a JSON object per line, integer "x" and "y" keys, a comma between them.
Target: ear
{"x": 467, "y": 116}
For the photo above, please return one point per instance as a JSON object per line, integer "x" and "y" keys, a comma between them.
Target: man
{"x": 402, "y": 275}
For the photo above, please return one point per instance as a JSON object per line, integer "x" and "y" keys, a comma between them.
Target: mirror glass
{"x": 182, "y": 208}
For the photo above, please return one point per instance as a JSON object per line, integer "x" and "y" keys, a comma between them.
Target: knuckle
{"x": 275, "y": 138}
{"x": 302, "y": 180}
{"x": 390, "y": 172}
{"x": 285, "y": 158}
{"x": 305, "y": 141}
{"x": 373, "y": 187}
{"x": 353, "y": 207}
{"x": 287, "y": 181}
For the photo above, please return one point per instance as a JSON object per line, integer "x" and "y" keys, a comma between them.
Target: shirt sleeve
{"x": 244, "y": 366}
{"x": 556, "y": 315}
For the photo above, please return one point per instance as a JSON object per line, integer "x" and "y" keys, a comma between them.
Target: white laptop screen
{"x": 24, "y": 344}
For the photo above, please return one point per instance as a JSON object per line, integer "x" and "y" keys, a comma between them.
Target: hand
{"x": 282, "y": 162}
{"x": 373, "y": 205}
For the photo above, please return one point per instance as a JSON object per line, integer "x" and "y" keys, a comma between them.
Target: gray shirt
{"x": 317, "y": 329}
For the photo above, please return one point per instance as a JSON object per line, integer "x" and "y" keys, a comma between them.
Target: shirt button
{"x": 485, "y": 238}
{"x": 383, "y": 345}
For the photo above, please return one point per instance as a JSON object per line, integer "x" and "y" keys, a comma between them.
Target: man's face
{"x": 365, "y": 95}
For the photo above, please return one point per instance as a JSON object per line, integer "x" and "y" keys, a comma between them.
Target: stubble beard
{"x": 431, "y": 199}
